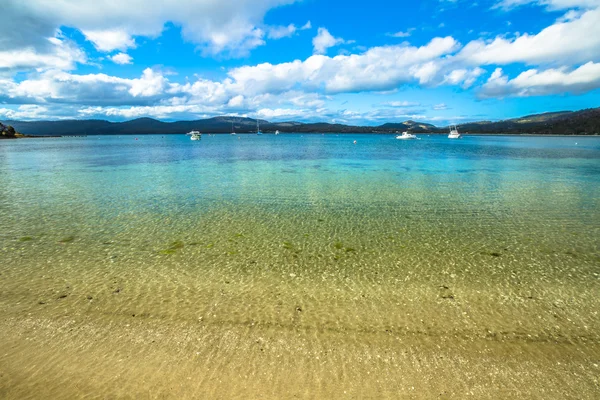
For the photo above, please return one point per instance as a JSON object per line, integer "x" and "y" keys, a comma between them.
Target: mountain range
{"x": 583, "y": 122}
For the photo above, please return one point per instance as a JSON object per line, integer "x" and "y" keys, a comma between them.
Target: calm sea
{"x": 300, "y": 265}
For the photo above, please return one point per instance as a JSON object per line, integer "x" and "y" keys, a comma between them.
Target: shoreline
{"x": 300, "y": 133}
{"x": 208, "y": 357}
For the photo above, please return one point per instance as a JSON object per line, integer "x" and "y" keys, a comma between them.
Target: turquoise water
{"x": 155, "y": 188}
{"x": 472, "y": 243}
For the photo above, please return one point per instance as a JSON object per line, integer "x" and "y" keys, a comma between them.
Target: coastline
{"x": 301, "y": 133}
{"x": 441, "y": 352}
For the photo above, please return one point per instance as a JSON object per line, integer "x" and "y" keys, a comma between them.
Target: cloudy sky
{"x": 347, "y": 61}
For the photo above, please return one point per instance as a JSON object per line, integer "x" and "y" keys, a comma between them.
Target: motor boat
{"x": 195, "y": 135}
{"x": 406, "y": 136}
{"x": 453, "y": 132}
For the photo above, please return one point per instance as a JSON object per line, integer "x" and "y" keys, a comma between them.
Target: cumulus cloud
{"x": 379, "y": 68}
{"x": 298, "y": 84}
{"x": 230, "y": 26}
{"x": 562, "y": 58}
{"x": 159, "y": 111}
{"x": 278, "y": 113}
{"x": 464, "y": 77}
{"x": 109, "y": 40}
{"x": 61, "y": 54}
{"x": 325, "y": 40}
{"x": 537, "y": 83}
{"x": 563, "y": 43}
{"x": 24, "y": 112}
{"x": 121, "y": 58}
{"x": 62, "y": 87}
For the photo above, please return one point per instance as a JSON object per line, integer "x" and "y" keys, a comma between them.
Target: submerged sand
{"x": 318, "y": 315}
{"x": 299, "y": 268}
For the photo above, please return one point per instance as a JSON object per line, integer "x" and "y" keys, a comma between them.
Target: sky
{"x": 339, "y": 61}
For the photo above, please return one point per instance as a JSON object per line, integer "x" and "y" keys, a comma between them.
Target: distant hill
{"x": 584, "y": 122}
{"x": 411, "y": 125}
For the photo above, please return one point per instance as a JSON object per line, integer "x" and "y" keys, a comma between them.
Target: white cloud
{"x": 236, "y": 101}
{"x": 537, "y": 83}
{"x": 463, "y": 76}
{"x": 570, "y": 16}
{"x": 400, "y": 104}
{"x": 58, "y": 53}
{"x": 439, "y": 107}
{"x": 566, "y": 56}
{"x": 280, "y": 112}
{"x": 227, "y": 26}
{"x": 61, "y": 87}
{"x": 550, "y": 4}
{"x": 379, "y": 68}
{"x": 307, "y": 25}
{"x": 300, "y": 84}
{"x": 24, "y": 112}
{"x": 109, "y": 40}
{"x": 150, "y": 84}
{"x": 121, "y": 58}
{"x": 324, "y": 40}
{"x": 144, "y": 111}
{"x": 401, "y": 34}
{"x": 562, "y": 43}
{"x": 278, "y": 32}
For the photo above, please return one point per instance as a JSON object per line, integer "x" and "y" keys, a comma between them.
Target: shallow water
{"x": 300, "y": 266}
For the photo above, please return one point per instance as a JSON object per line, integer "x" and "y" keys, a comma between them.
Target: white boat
{"x": 232, "y": 130}
{"x": 406, "y": 136}
{"x": 258, "y": 132}
{"x": 277, "y": 132}
{"x": 453, "y": 132}
{"x": 195, "y": 135}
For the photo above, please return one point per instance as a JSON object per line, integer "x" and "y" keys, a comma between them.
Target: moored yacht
{"x": 453, "y": 132}
{"x": 406, "y": 136}
{"x": 195, "y": 135}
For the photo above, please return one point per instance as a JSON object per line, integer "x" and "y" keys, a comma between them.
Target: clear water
{"x": 289, "y": 265}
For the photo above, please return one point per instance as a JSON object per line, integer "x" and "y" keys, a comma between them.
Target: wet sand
{"x": 449, "y": 354}
{"x": 238, "y": 318}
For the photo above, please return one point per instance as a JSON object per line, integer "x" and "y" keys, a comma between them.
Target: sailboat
{"x": 258, "y": 132}
{"x": 453, "y": 132}
{"x": 232, "y": 130}
{"x": 277, "y": 132}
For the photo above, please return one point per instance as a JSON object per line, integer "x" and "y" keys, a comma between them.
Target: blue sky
{"x": 355, "y": 62}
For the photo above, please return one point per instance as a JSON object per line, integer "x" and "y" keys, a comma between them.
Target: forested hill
{"x": 584, "y": 122}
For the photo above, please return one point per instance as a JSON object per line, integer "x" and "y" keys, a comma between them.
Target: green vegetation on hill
{"x": 8, "y": 132}
{"x": 584, "y": 122}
